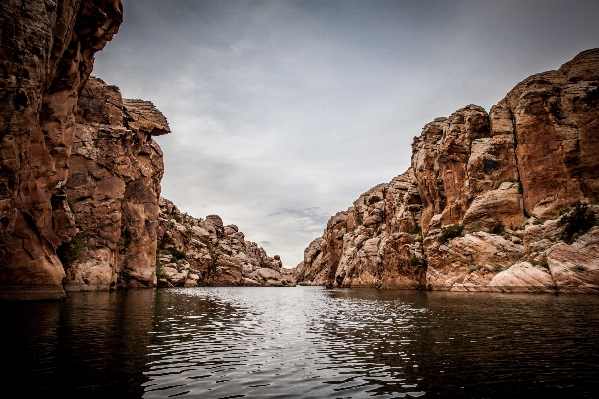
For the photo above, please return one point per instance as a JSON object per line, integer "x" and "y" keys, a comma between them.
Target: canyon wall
{"x": 46, "y": 55}
{"x": 504, "y": 201}
{"x": 126, "y": 235}
{"x": 199, "y": 252}
{"x": 80, "y": 172}
{"x": 113, "y": 190}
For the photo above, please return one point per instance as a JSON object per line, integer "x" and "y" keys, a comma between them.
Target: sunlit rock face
{"x": 502, "y": 182}
{"x": 555, "y": 120}
{"x": 197, "y": 252}
{"x": 46, "y": 55}
{"x": 113, "y": 190}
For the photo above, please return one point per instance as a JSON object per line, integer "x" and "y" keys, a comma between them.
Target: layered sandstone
{"x": 501, "y": 182}
{"x": 198, "y": 252}
{"x": 46, "y": 55}
{"x": 113, "y": 190}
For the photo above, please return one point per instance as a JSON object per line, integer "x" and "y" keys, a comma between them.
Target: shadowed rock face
{"x": 46, "y": 56}
{"x": 194, "y": 252}
{"x": 113, "y": 190}
{"x": 503, "y": 177}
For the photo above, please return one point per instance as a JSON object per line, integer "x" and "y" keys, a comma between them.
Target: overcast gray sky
{"x": 284, "y": 112}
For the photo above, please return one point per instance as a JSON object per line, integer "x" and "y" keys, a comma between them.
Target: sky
{"x": 284, "y": 112}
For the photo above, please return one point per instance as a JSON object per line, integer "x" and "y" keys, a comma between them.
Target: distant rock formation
{"x": 46, "y": 55}
{"x": 194, "y": 252}
{"x": 113, "y": 190}
{"x": 488, "y": 203}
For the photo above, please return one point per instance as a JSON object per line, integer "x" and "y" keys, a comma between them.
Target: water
{"x": 302, "y": 342}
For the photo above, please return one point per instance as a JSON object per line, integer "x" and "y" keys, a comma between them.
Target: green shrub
{"x": 178, "y": 255}
{"x": 72, "y": 251}
{"x": 538, "y": 222}
{"x": 414, "y": 261}
{"x": 497, "y": 268}
{"x": 416, "y": 231}
{"x": 450, "y": 232}
{"x": 71, "y": 205}
{"x": 497, "y": 228}
{"x": 577, "y": 222}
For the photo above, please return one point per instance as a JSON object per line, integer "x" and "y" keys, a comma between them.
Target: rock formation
{"x": 194, "y": 252}
{"x": 113, "y": 190}
{"x": 491, "y": 202}
{"x": 46, "y": 55}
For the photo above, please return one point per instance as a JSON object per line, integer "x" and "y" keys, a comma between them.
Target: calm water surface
{"x": 302, "y": 342}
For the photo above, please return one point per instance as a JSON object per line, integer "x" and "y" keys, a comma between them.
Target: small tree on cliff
{"x": 577, "y": 222}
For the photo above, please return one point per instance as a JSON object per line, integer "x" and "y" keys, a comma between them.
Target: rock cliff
{"x": 46, "y": 55}
{"x": 498, "y": 201}
{"x": 194, "y": 252}
{"x": 113, "y": 190}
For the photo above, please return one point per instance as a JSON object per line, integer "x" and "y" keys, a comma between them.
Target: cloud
{"x": 284, "y": 112}
{"x": 308, "y": 220}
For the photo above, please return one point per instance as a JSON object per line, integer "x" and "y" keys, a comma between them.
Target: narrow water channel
{"x": 226, "y": 342}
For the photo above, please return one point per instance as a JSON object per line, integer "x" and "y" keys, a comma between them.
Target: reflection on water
{"x": 93, "y": 345}
{"x": 304, "y": 342}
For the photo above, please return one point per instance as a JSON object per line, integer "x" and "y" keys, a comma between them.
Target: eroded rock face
{"x": 113, "y": 189}
{"x": 375, "y": 243}
{"x": 555, "y": 122}
{"x": 46, "y": 55}
{"x": 195, "y": 252}
{"x": 498, "y": 181}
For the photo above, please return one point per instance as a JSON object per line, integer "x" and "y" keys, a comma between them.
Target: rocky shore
{"x": 504, "y": 201}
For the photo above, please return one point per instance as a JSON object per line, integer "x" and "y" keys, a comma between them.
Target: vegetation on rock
{"x": 577, "y": 222}
{"x": 72, "y": 251}
{"x": 497, "y": 227}
{"x": 450, "y": 232}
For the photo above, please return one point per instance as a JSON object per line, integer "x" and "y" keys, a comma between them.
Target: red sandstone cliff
{"x": 113, "y": 190}
{"x": 46, "y": 55}
{"x": 194, "y": 252}
{"x": 503, "y": 183}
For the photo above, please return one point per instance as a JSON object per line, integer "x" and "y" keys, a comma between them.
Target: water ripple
{"x": 303, "y": 342}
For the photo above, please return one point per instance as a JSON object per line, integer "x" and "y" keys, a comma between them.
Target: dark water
{"x": 301, "y": 342}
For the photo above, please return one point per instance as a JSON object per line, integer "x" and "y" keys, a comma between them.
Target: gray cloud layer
{"x": 284, "y": 112}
